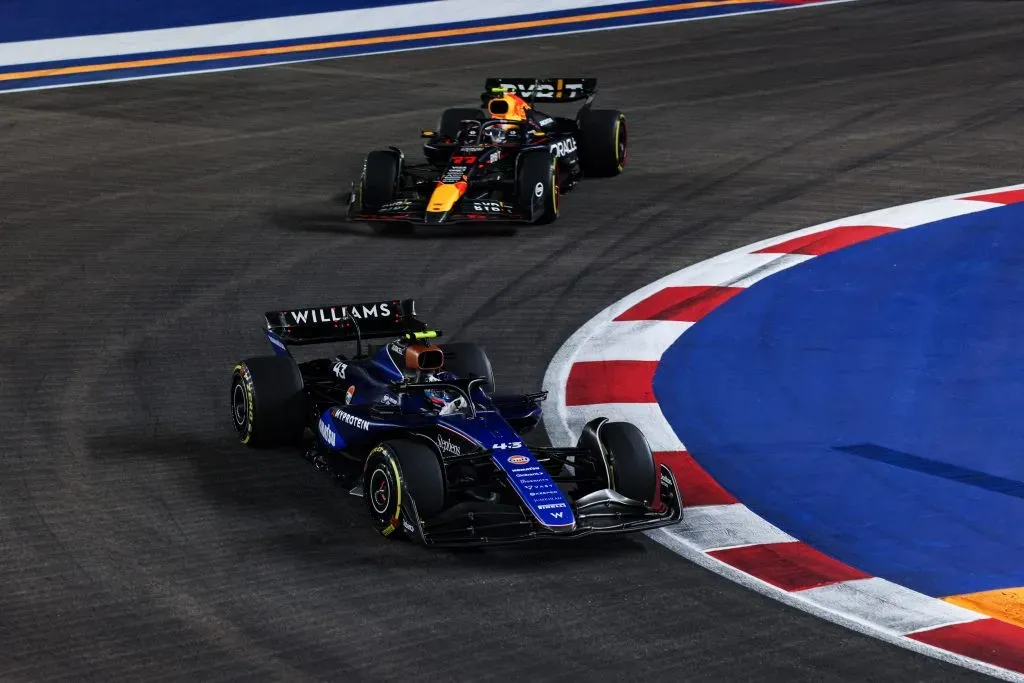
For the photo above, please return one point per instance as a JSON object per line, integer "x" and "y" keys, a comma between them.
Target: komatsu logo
{"x": 545, "y": 91}
{"x": 329, "y": 436}
{"x": 338, "y": 313}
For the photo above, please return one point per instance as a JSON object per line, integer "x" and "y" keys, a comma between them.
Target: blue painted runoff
{"x": 868, "y": 402}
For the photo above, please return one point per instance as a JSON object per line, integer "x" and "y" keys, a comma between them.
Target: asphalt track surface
{"x": 146, "y": 226}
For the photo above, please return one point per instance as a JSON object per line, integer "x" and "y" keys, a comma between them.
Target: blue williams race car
{"x": 417, "y": 430}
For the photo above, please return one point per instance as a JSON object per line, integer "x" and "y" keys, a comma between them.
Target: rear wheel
{"x": 466, "y": 359}
{"x": 450, "y": 123}
{"x": 266, "y": 402}
{"x": 630, "y": 460}
{"x": 603, "y": 143}
{"x": 396, "y": 471}
{"x": 537, "y": 187}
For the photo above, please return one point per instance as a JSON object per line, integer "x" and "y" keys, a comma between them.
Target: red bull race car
{"x": 504, "y": 162}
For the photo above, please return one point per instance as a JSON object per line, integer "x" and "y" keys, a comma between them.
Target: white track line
{"x": 870, "y": 605}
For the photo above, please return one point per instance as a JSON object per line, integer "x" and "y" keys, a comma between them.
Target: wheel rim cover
{"x": 379, "y": 491}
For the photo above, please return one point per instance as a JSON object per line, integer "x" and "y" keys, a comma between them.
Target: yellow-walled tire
{"x": 267, "y": 402}
{"x": 396, "y": 472}
{"x": 604, "y": 143}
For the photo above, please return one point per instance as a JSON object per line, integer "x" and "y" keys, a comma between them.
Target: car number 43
{"x": 507, "y": 446}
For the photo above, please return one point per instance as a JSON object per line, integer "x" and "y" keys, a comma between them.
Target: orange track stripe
{"x": 1004, "y": 604}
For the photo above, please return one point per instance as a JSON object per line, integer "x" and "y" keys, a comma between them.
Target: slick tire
{"x": 395, "y": 472}
{"x": 267, "y": 402}
{"x": 450, "y": 121}
{"x": 466, "y": 360}
{"x": 380, "y": 179}
{"x": 630, "y": 460}
{"x": 378, "y": 186}
{"x": 603, "y": 143}
{"x": 537, "y": 181}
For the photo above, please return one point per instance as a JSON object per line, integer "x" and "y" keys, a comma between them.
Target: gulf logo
{"x": 519, "y": 460}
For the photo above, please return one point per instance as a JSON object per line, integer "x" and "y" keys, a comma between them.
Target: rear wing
{"x": 343, "y": 322}
{"x": 543, "y": 89}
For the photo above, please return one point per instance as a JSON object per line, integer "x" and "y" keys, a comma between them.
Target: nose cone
{"x": 444, "y": 196}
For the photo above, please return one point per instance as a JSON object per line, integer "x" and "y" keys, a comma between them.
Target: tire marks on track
{"x": 141, "y": 542}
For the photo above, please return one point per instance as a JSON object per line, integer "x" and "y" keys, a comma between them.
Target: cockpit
{"x": 490, "y": 133}
{"x": 426, "y": 387}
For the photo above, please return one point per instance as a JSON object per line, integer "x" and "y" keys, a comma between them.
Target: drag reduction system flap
{"x": 543, "y": 89}
{"x": 345, "y": 322}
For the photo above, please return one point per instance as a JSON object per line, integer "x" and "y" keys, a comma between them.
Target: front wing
{"x": 409, "y": 210}
{"x": 421, "y": 217}
{"x": 601, "y": 512}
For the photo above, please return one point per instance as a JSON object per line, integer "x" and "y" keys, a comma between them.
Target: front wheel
{"x": 380, "y": 181}
{"x": 630, "y": 461}
{"x": 395, "y": 473}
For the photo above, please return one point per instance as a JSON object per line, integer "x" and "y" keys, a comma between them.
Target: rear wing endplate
{"x": 344, "y": 322}
{"x": 543, "y": 89}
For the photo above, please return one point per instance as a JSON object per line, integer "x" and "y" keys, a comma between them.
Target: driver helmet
{"x": 499, "y": 133}
{"x": 439, "y": 397}
{"x": 425, "y": 362}
{"x": 447, "y": 402}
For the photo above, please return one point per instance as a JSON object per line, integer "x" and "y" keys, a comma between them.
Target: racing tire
{"x": 380, "y": 179}
{"x": 377, "y": 188}
{"x": 466, "y": 359}
{"x": 449, "y": 124}
{"x": 267, "y": 402}
{"x": 603, "y": 143}
{"x": 537, "y": 177}
{"x": 630, "y": 460}
{"x": 394, "y": 472}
